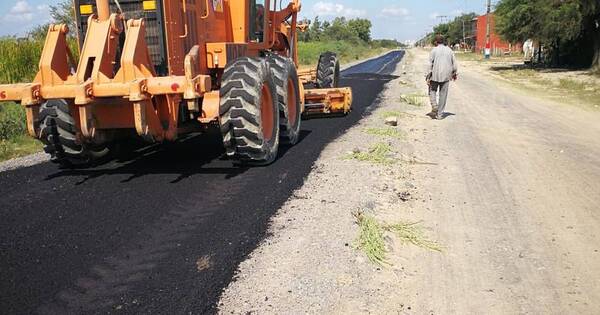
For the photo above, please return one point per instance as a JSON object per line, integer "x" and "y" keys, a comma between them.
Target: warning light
{"x": 86, "y": 9}
{"x": 149, "y": 5}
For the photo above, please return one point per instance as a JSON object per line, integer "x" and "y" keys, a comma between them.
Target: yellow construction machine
{"x": 160, "y": 69}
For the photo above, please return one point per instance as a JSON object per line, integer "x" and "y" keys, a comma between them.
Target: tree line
{"x": 341, "y": 29}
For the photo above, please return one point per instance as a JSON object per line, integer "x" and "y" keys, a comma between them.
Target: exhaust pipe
{"x": 103, "y": 10}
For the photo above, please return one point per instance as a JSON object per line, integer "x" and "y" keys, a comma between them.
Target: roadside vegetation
{"x": 308, "y": 52}
{"x": 349, "y": 39}
{"x": 14, "y": 141}
{"x": 19, "y": 58}
{"x": 581, "y": 88}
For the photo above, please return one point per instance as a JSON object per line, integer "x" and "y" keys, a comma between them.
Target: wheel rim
{"x": 266, "y": 112}
{"x": 291, "y": 102}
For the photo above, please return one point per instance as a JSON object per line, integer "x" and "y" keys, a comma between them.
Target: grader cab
{"x": 159, "y": 69}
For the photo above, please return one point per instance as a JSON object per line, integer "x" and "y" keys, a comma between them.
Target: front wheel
{"x": 249, "y": 114}
{"x": 58, "y": 132}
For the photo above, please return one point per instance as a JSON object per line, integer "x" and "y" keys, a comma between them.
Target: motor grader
{"x": 161, "y": 69}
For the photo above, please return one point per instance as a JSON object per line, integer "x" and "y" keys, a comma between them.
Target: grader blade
{"x": 327, "y": 102}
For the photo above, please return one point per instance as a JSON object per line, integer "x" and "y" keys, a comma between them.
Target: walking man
{"x": 441, "y": 69}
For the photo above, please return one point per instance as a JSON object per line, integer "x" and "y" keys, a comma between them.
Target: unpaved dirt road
{"x": 516, "y": 199}
{"x": 507, "y": 184}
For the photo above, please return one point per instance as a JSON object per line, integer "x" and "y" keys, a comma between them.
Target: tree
{"x": 64, "y": 13}
{"x": 556, "y": 23}
{"x": 61, "y": 13}
{"x": 453, "y": 30}
{"x": 340, "y": 30}
{"x": 362, "y": 28}
{"x": 519, "y": 20}
{"x": 314, "y": 33}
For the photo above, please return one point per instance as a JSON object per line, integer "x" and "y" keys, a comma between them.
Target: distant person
{"x": 441, "y": 69}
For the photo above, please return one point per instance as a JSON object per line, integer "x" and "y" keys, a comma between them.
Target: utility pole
{"x": 488, "y": 45}
{"x": 464, "y": 37}
{"x": 442, "y": 18}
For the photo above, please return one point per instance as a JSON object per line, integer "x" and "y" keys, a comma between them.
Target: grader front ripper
{"x": 134, "y": 78}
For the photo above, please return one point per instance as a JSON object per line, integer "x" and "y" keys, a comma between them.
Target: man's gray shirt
{"x": 442, "y": 64}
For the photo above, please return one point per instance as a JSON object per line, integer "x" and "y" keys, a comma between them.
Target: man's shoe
{"x": 432, "y": 114}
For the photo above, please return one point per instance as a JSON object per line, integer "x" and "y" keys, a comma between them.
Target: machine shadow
{"x": 184, "y": 158}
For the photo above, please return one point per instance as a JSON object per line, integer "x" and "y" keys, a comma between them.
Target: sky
{"x": 392, "y": 19}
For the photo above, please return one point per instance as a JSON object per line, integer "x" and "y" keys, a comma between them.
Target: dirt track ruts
{"x": 160, "y": 230}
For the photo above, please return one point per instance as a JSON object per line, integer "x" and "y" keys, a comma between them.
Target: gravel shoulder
{"x": 506, "y": 185}
{"x": 28, "y": 160}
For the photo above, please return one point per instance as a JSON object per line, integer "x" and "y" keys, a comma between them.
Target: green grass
{"x": 308, "y": 52}
{"x": 18, "y": 63}
{"x": 12, "y": 121}
{"x": 370, "y": 238}
{"x": 379, "y": 153}
{"x": 14, "y": 141}
{"x": 574, "y": 85}
{"x": 19, "y": 60}
{"x": 18, "y": 146}
{"x": 385, "y": 132}
{"x": 412, "y": 233}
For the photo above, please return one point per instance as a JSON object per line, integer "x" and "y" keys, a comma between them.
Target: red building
{"x": 497, "y": 45}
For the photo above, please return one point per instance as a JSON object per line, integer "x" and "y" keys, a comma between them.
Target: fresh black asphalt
{"x": 125, "y": 237}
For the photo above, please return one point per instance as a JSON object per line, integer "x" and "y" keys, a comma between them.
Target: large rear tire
{"x": 249, "y": 114}
{"x": 288, "y": 98}
{"x": 328, "y": 71}
{"x": 58, "y": 132}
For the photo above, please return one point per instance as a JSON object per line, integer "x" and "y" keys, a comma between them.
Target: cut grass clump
{"x": 379, "y": 153}
{"x": 393, "y": 113}
{"x": 415, "y": 99}
{"x": 413, "y": 233}
{"x": 370, "y": 238}
{"x": 385, "y": 132}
